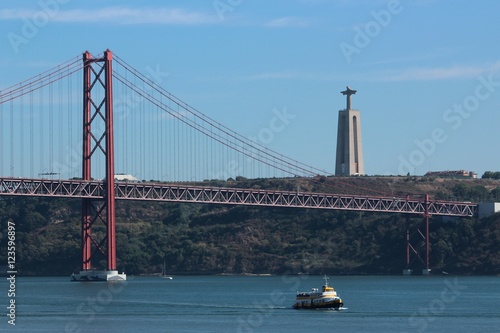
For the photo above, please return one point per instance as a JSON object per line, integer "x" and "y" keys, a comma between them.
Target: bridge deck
{"x": 234, "y": 196}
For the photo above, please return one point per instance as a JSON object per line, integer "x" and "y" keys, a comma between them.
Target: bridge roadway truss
{"x": 233, "y": 196}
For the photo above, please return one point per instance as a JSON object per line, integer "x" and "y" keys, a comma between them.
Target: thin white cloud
{"x": 290, "y": 75}
{"x": 272, "y": 76}
{"x": 419, "y": 57}
{"x": 437, "y": 73}
{"x": 288, "y": 21}
{"x": 119, "y": 15}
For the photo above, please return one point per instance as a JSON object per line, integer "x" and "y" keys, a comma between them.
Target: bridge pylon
{"x": 422, "y": 237}
{"x": 98, "y": 139}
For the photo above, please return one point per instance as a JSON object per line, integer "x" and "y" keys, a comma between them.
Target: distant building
{"x": 127, "y": 178}
{"x": 461, "y": 174}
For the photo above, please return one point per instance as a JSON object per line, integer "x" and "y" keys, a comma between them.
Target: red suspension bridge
{"x": 131, "y": 124}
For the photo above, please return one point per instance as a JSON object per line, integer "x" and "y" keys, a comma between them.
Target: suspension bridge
{"x": 58, "y": 143}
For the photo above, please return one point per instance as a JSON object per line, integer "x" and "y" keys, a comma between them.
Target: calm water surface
{"x": 255, "y": 304}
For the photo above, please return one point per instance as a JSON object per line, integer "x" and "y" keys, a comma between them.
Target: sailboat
{"x": 163, "y": 273}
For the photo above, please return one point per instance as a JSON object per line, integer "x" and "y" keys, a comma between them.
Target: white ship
{"x": 327, "y": 298}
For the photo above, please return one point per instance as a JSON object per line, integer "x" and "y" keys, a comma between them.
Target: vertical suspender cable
{"x": 32, "y": 144}
{"x": 210, "y": 168}
{"x": 143, "y": 137}
{"x": 59, "y": 126}
{"x": 154, "y": 138}
{"x": 40, "y": 140}
{"x": 127, "y": 138}
{"x": 150, "y": 158}
{"x": 207, "y": 157}
{"x": 2, "y": 124}
{"x": 171, "y": 143}
{"x": 176, "y": 155}
{"x": 134, "y": 130}
{"x": 220, "y": 166}
{"x": 159, "y": 151}
{"x": 182, "y": 150}
{"x": 165, "y": 169}
{"x": 124, "y": 118}
{"x": 69, "y": 112}
{"x": 11, "y": 138}
{"x": 2, "y": 152}
{"x": 20, "y": 130}
{"x": 51, "y": 129}
{"x": 228, "y": 159}
{"x": 191, "y": 158}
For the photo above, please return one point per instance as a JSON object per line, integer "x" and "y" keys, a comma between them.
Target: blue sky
{"x": 427, "y": 72}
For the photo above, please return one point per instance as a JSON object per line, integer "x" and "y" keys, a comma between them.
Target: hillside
{"x": 216, "y": 239}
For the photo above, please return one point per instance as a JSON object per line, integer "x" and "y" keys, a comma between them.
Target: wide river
{"x": 254, "y": 304}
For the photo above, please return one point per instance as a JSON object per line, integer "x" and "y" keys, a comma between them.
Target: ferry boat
{"x": 327, "y": 298}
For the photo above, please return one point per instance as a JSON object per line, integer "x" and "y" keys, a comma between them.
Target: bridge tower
{"x": 349, "y": 146}
{"x": 422, "y": 237}
{"x": 98, "y": 139}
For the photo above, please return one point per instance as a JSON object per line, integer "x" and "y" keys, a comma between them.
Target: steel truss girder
{"x": 232, "y": 196}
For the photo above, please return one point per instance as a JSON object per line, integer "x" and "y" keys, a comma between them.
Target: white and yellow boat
{"x": 327, "y": 298}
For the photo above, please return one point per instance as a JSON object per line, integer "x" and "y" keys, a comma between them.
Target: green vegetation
{"x": 492, "y": 174}
{"x": 215, "y": 239}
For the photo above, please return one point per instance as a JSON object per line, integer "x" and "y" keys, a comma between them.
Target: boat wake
{"x": 331, "y": 309}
